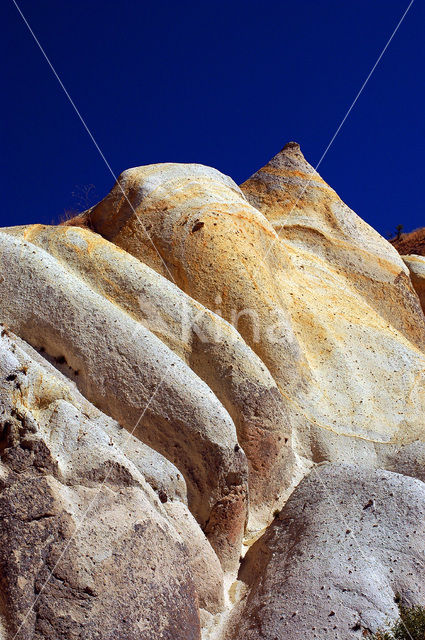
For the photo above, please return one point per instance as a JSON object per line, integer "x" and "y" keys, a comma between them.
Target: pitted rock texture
{"x": 209, "y": 345}
{"x": 78, "y": 519}
{"x": 349, "y": 542}
{"x": 318, "y": 295}
{"x": 309, "y": 216}
{"x": 174, "y": 362}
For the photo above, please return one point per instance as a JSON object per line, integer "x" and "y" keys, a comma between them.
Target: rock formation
{"x": 416, "y": 266}
{"x": 181, "y": 364}
{"x": 411, "y": 247}
{"x": 347, "y": 540}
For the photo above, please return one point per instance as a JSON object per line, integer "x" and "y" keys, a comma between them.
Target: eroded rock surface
{"x": 319, "y": 296}
{"x": 209, "y": 345}
{"x": 173, "y": 363}
{"x": 416, "y": 266}
{"x": 348, "y": 544}
{"x": 85, "y": 541}
{"x": 139, "y": 381}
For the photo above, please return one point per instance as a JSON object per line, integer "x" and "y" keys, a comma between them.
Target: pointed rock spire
{"x": 286, "y": 176}
{"x": 291, "y": 148}
{"x": 306, "y": 212}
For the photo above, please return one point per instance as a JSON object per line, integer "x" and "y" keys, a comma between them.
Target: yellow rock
{"x": 209, "y": 345}
{"x": 320, "y": 297}
{"x": 244, "y": 335}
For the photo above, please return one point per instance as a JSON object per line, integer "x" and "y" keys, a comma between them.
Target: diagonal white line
{"x": 91, "y": 503}
{"x": 91, "y": 136}
{"x": 341, "y": 124}
{"x": 336, "y": 508}
{"x": 163, "y": 261}
{"x": 364, "y": 84}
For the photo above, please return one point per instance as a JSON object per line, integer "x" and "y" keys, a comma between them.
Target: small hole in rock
{"x": 198, "y": 225}
{"x": 4, "y": 436}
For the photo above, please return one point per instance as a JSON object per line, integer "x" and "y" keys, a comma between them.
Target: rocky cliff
{"x": 211, "y": 413}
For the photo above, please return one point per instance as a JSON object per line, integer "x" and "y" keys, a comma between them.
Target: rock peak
{"x": 200, "y": 422}
{"x": 292, "y": 146}
{"x": 291, "y": 152}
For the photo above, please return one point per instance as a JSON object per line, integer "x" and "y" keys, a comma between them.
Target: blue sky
{"x": 225, "y": 84}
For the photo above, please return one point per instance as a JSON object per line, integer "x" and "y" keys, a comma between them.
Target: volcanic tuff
{"x": 416, "y": 266}
{"x": 212, "y": 414}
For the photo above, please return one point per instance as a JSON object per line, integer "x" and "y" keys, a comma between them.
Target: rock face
{"x": 310, "y": 219}
{"x": 139, "y": 381}
{"x": 346, "y": 543}
{"x": 173, "y": 363}
{"x": 318, "y": 295}
{"x": 416, "y": 266}
{"x": 210, "y": 347}
{"x": 78, "y": 518}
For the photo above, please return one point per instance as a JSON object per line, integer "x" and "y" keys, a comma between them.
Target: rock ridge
{"x": 211, "y": 414}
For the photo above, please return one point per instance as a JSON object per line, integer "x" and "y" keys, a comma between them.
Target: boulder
{"x": 347, "y": 546}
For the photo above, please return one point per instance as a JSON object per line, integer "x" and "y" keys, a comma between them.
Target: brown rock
{"x": 410, "y": 243}
{"x": 416, "y": 266}
{"x": 85, "y": 547}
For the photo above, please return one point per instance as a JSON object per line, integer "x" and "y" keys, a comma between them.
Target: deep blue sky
{"x": 221, "y": 83}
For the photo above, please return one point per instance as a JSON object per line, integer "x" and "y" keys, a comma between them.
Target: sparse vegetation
{"x": 408, "y": 243}
{"x": 78, "y": 216}
{"x": 66, "y": 216}
{"x": 77, "y": 220}
{"x": 399, "y": 231}
{"x": 410, "y": 626}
